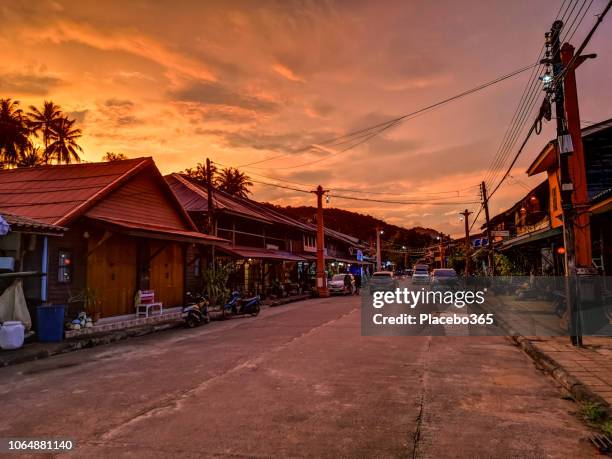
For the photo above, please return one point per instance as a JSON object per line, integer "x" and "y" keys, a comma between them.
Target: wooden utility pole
{"x": 485, "y": 203}
{"x": 466, "y": 215}
{"x": 564, "y": 150}
{"x": 378, "y": 251}
{"x": 321, "y": 278}
{"x": 576, "y": 161}
{"x": 211, "y": 210}
{"x": 442, "y": 254}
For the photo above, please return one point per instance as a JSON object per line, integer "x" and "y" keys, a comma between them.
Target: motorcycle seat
{"x": 248, "y": 300}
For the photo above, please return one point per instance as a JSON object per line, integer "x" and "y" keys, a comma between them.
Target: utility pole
{"x": 321, "y": 278}
{"x": 466, "y": 215}
{"x": 212, "y": 230}
{"x": 442, "y": 254}
{"x": 564, "y": 150}
{"x": 485, "y": 203}
{"x": 576, "y": 160}
{"x": 378, "y": 254}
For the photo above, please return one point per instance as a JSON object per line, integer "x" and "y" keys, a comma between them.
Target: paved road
{"x": 298, "y": 380}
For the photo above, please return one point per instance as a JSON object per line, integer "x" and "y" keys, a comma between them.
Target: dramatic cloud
{"x": 217, "y": 94}
{"x": 16, "y": 84}
{"x": 242, "y": 82}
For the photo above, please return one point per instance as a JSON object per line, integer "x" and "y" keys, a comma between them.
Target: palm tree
{"x": 198, "y": 173}
{"x": 14, "y": 131}
{"x": 65, "y": 148}
{"x": 31, "y": 156}
{"x": 43, "y": 120}
{"x": 234, "y": 182}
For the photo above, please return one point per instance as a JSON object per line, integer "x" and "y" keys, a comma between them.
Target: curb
{"x": 93, "y": 340}
{"x": 579, "y": 391}
{"x": 84, "y": 343}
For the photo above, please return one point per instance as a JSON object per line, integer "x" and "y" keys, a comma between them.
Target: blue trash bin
{"x": 50, "y": 322}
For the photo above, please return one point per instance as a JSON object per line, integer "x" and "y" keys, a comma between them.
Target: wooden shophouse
{"x": 126, "y": 231}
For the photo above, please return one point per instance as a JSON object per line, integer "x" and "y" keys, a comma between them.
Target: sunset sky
{"x": 243, "y": 81}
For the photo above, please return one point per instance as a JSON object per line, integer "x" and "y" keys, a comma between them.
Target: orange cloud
{"x": 287, "y": 73}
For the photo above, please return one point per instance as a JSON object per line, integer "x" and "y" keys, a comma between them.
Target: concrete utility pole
{"x": 485, "y": 203}
{"x": 378, "y": 251}
{"x": 466, "y": 215}
{"x": 321, "y": 278}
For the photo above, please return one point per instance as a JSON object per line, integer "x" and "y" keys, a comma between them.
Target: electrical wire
{"x": 365, "y": 134}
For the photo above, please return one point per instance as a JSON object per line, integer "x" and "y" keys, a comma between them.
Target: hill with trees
{"x": 362, "y": 226}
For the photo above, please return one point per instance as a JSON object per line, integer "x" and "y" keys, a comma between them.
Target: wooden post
{"x": 466, "y": 214}
{"x": 321, "y": 278}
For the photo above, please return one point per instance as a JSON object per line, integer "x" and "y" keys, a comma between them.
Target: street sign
{"x": 500, "y": 233}
{"x": 359, "y": 255}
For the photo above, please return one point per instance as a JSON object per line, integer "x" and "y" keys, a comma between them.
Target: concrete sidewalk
{"x": 36, "y": 350}
{"x": 584, "y": 372}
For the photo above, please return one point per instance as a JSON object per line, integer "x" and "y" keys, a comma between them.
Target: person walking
{"x": 357, "y": 283}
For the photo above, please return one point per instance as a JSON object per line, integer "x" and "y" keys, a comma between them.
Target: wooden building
{"x": 268, "y": 248}
{"x": 126, "y": 231}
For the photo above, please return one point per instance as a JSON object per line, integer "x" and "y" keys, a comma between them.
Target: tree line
{"x": 46, "y": 135}
{"x": 229, "y": 179}
{"x": 21, "y": 134}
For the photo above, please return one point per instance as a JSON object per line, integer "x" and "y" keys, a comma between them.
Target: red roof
{"x": 52, "y": 194}
{"x": 59, "y": 194}
{"x": 136, "y": 229}
{"x": 269, "y": 254}
{"x": 27, "y": 225}
{"x": 194, "y": 198}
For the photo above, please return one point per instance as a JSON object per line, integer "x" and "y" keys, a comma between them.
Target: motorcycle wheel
{"x": 256, "y": 310}
{"x": 191, "y": 321}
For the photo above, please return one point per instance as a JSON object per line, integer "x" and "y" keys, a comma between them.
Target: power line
{"x": 456, "y": 193}
{"x": 354, "y": 198}
{"x": 365, "y": 134}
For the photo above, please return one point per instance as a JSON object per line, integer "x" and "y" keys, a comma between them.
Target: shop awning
{"x": 344, "y": 260}
{"x": 159, "y": 232}
{"x": 530, "y": 237}
{"x": 265, "y": 254}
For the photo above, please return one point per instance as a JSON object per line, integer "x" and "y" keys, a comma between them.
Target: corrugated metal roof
{"x": 190, "y": 236}
{"x": 53, "y": 194}
{"x": 268, "y": 254}
{"x": 24, "y": 224}
{"x": 194, "y": 198}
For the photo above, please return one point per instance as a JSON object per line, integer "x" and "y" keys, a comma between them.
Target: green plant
{"x": 606, "y": 427}
{"x": 89, "y": 298}
{"x": 505, "y": 267}
{"x": 593, "y": 412}
{"x": 214, "y": 283}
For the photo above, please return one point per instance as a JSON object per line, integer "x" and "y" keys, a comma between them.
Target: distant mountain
{"x": 361, "y": 226}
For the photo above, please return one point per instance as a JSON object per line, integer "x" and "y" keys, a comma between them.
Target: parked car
{"x": 343, "y": 284}
{"x": 420, "y": 274}
{"x": 383, "y": 281}
{"x": 444, "y": 279}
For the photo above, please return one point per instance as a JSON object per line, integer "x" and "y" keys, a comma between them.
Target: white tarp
{"x": 13, "y": 305}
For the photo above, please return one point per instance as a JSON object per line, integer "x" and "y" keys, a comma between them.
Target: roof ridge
{"x": 72, "y": 165}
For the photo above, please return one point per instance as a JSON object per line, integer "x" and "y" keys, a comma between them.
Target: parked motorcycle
{"x": 238, "y": 306}
{"x": 196, "y": 311}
